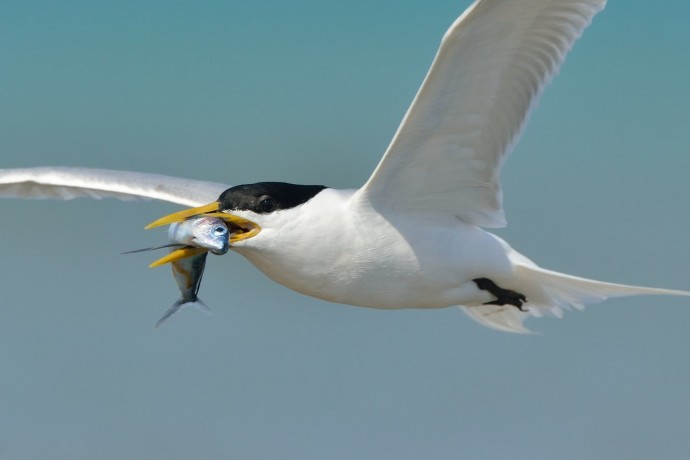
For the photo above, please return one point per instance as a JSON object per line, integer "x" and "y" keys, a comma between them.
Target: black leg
{"x": 503, "y": 296}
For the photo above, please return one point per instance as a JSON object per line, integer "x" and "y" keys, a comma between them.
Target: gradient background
{"x": 311, "y": 92}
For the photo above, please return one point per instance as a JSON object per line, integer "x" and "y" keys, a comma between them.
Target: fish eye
{"x": 220, "y": 230}
{"x": 267, "y": 204}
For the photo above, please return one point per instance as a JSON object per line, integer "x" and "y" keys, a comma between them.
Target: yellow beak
{"x": 183, "y": 215}
{"x": 188, "y": 251}
{"x": 240, "y": 229}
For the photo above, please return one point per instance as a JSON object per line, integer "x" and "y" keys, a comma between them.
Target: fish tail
{"x": 182, "y": 303}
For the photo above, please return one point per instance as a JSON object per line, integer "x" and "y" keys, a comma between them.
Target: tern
{"x": 413, "y": 236}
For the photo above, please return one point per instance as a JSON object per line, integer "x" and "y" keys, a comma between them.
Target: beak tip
{"x": 187, "y": 251}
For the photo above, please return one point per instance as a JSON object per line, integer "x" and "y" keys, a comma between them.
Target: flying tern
{"x": 413, "y": 236}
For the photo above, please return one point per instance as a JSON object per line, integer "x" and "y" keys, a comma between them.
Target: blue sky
{"x": 311, "y": 92}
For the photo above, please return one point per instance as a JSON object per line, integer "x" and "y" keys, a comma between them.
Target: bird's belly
{"x": 391, "y": 270}
{"x": 375, "y": 287}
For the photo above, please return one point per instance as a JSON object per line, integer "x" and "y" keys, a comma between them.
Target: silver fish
{"x": 199, "y": 235}
{"x": 190, "y": 242}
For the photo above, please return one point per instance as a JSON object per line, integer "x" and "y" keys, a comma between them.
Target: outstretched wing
{"x": 68, "y": 183}
{"x": 494, "y": 61}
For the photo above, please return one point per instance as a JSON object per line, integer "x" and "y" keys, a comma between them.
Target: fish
{"x": 199, "y": 235}
{"x": 190, "y": 242}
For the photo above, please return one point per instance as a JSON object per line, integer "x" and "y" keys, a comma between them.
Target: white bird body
{"x": 412, "y": 236}
{"x": 357, "y": 256}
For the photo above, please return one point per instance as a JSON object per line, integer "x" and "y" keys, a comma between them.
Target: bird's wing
{"x": 493, "y": 63}
{"x": 67, "y": 183}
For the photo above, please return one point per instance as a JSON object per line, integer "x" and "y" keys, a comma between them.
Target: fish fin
{"x": 201, "y": 306}
{"x": 179, "y": 305}
{"x": 171, "y": 245}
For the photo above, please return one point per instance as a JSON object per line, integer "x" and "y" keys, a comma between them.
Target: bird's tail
{"x": 179, "y": 305}
{"x": 549, "y": 293}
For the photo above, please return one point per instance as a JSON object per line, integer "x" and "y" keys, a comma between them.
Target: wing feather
{"x": 68, "y": 183}
{"x": 493, "y": 62}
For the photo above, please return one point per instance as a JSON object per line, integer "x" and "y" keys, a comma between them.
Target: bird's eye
{"x": 267, "y": 204}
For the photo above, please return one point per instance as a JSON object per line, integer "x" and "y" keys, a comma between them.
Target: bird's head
{"x": 247, "y": 209}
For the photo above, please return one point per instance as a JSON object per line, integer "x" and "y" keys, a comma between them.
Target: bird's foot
{"x": 503, "y": 296}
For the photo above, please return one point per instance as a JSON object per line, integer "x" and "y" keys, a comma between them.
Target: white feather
{"x": 493, "y": 64}
{"x": 68, "y": 183}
